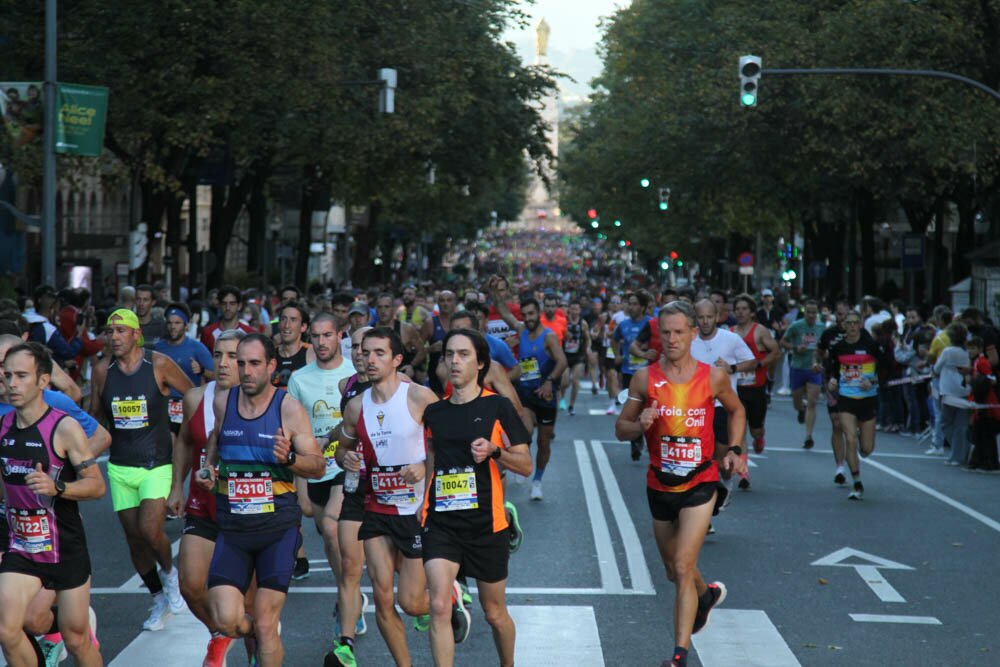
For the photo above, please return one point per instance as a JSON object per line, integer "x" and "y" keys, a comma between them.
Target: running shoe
{"x": 636, "y": 450}
{"x": 758, "y": 445}
{"x": 744, "y": 482}
{"x": 218, "y": 647}
{"x": 593, "y": 389}
{"x": 301, "y": 570}
{"x": 711, "y": 529}
{"x": 536, "y": 489}
{"x": 784, "y": 391}
{"x": 858, "y": 492}
{"x": 802, "y": 416}
{"x": 717, "y": 589}
{"x": 611, "y": 410}
{"x": 808, "y": 444}
{"x": 172, "y": 588}
{"x": 52, "y": 652}
{"x": 839, "y": 479}
{"x": 342, "y": 655}
{"x": 460, "y": 618}
{"x": 571, "y": 411}
{"x": 158, "y": 613}
{"x": 516, "y": 534}
{"x": 361, "y": 627}
{"x": 562, "y": 404}
{"x": 934, "y": 451}
{"x": 422, "y": 623}
{"x": 466, "y": 596}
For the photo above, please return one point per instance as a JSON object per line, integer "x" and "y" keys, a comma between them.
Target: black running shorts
{"x": 864, "y": 409}
{"x": 482, "y": 557}
{"x": 666, "y": 506}
{"x": 754, "y": 401}
{"x": 65, "y": 576}
{"x": 403, "y": 530}
{"x": 201, "y": 527}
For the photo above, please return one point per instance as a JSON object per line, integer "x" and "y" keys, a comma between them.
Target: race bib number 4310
{"x": 250, "y": 493}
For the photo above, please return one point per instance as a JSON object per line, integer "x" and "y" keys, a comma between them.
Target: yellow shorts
{"x": 131, "y": 485}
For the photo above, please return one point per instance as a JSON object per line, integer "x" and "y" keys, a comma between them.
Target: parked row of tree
{"x": 828, "y": 156}
{"x": 263, "y": 99}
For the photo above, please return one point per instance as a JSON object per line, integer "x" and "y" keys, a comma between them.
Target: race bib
{"x": 745, "y": 378}
{"x": 251, "y": 493}
{"x": 176, "y": 411}
{"x": 679, "y": 455}
{"x": 389, "y": 487}
{"x": 329, "y": 455}
{"x": 130, "y": 414}
{"x": 529, "y": 369}
{"x": 31, "y": 532}
{"x": 637, "y": 362}
{"x": 455, "y": 490}
{"x": 809, "y": 340}
{"x": 572, "y": 346}
{"x": 610, "y": 353}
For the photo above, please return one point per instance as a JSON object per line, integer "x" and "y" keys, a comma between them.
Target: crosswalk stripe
{"x": 611, "y": 579}
{"x": 742, "y": 638}
{"x": 182, "y": 642}
{"x": 549, "y": 635}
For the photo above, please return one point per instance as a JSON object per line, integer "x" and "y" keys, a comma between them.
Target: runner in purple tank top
{"x": 47, "y": 467}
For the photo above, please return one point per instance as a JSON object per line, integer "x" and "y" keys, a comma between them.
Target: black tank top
{"x": 287, "y": 366}
{"x": 136, "y": 411}
{"x": 409, "y": 353}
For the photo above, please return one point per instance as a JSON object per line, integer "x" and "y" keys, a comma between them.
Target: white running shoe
{"x": 172, "y": 587}
{"x": 934, "y": 451}
{"x": 158, "y": 613}
{"x": 536, "y": 490}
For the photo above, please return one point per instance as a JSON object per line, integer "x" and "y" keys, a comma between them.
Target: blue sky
{"x": 573, "y": 40}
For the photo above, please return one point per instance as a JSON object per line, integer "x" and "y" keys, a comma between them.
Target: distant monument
{"x": 542, "y": 31}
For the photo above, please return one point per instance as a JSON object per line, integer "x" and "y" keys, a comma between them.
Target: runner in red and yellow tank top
{"x": 671, "y": 403}
{"x": 752, "y": 385}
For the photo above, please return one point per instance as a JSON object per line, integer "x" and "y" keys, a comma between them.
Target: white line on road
{"x": 611, "y": 579}
{"x": 596, "y": 412}
{"x": 182, "y": 642}
{"x": 556, "y": 635}
{"x": 965, "y": 509}
{"x": 880, "y": 587}
{"x": 889, "y": 618}
{"x": 742, "y": 638}
{"x": 638, "y": 570}
{"x": 332, "y": 590}
{"x": 887, "y": 455}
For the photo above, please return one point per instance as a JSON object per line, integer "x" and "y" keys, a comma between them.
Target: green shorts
{"x": 130, "y": 485}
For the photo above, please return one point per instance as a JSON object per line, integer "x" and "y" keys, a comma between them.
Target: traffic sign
{"x": 746, "y": 270}
{"x": 746, "y": 259}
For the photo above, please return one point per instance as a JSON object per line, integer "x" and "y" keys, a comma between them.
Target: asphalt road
{"x": 904, "y": 577}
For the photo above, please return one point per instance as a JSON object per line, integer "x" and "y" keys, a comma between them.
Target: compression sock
{"x": 538, "y": 474}
{"x": 152, "y": 581}
{"x": 347, "y": 641}
{"x": 680, "y": 656}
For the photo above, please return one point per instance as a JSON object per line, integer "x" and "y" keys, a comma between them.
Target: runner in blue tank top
{"x": 262, "y": 438}
{"x": 542, "y": 362}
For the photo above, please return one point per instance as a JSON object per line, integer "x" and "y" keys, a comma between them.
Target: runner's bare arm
{"x": 100, "y": 374}
{"x": 555, "y": 351}
{"x": 417, "y": 341}
{"x": 498, "y": 379}
{"x": 182, "y": 453}
{"x": 723, "y": 390}
{"x": 349, "y": 436}
{"x": 169, "y": 375}
{"x": 296, "y": 433}
{"x": 61, "y": 380}
{"x": 99, "y": 441}
{"x": 69, "y": 441}
{"x": 629, "y": 426}
{"x": 766, "y": 342}
{"x": 504, "y": 312}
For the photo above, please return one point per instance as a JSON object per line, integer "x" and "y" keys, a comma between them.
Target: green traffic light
{"x": 644, "y": 182}
{"x": 618, "y": 223}
{"x": 749, "y": 99}
{"x": 664, "y": 265}
{"x": 680, "y": 262}
{"x": 663, "y": 206}
{"x": 595, "y": 224}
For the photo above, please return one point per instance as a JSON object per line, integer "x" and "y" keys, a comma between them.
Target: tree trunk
{"x": 227, "y": 203}
{"x": 154, "y": 203}
{"x": 257, "y": 234}
{"x": 174, "y": 227}
{"x": 966, "y": 240}
{"x": 939, "y": 254}
{"x": 361, "y": 267}
{"x": 307, "y": 202}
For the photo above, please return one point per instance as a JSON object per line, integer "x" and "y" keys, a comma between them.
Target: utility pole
{"x": 51, "y": 99}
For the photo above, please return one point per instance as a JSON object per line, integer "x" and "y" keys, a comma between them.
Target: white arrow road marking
{"x": 887, "y": 618}
{"x": 869, "y": 572}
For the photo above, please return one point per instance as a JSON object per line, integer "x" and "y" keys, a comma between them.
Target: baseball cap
{"x": 358, "y": 308}
{"x": 766, "y": 292}
{"x": 125, "y": 317}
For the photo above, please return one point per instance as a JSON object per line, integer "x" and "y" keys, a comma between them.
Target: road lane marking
{"x": 642, "y": 582}
{"x": 182, "y": 642}
{"x": 889, "y": 618}
{"x": 326, "y": 590}
{"x": 135, "y": 583}
{"x": 551, "y": 635}
{"x": 596, "y": 412}
{"x": 869, "y": 571}
{"x": 611, "y": 579}
{"x": 888, "y": 455}
{"x": 742, "y": 638}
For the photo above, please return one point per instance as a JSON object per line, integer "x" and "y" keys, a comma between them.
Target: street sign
{"x": 746, "y": 259}
{"x": 746, "y": 270}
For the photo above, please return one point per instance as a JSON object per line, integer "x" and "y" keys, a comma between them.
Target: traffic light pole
{"x": 839, "y": 71}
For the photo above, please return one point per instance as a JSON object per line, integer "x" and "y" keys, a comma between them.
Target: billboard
{"x": 80, "y": 115}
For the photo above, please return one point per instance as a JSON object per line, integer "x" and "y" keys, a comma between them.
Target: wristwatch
{"x": 496, "y": 454}
{"x": 290, "y": 459}
{"x": 732, "y": 369}
{"x": 60, "y": 487}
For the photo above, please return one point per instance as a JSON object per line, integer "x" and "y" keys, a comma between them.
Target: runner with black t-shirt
{"x": 464, "y": 523}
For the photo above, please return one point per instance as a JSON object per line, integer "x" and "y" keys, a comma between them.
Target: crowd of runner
{"x": 394, "y": 418}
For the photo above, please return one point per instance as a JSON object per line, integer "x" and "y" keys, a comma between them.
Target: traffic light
{"x": 664, "y": 265}
{"x": 618, "y": 223}
{"x": 679, "y": 263}
{"x": 644, "y": 182}
{"x": 750, "y": 68}
{"x": 673, "y": 254}
{"x": 591, "y": 213}
{"x": 664, "y": 199}
{"x": 595, "y": 224}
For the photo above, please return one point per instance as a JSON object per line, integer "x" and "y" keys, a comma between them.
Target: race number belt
{"x": 31, "y": 530}
{"x": 390, "y": 488}
{"x": 176, "y": 411}
{"x": 455, "y": 490}
{"x": 679, "y": 455}
{"x": 529, "y": 369}
{"x": 130, "y": 414}
{"x": 250, "y": 493}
